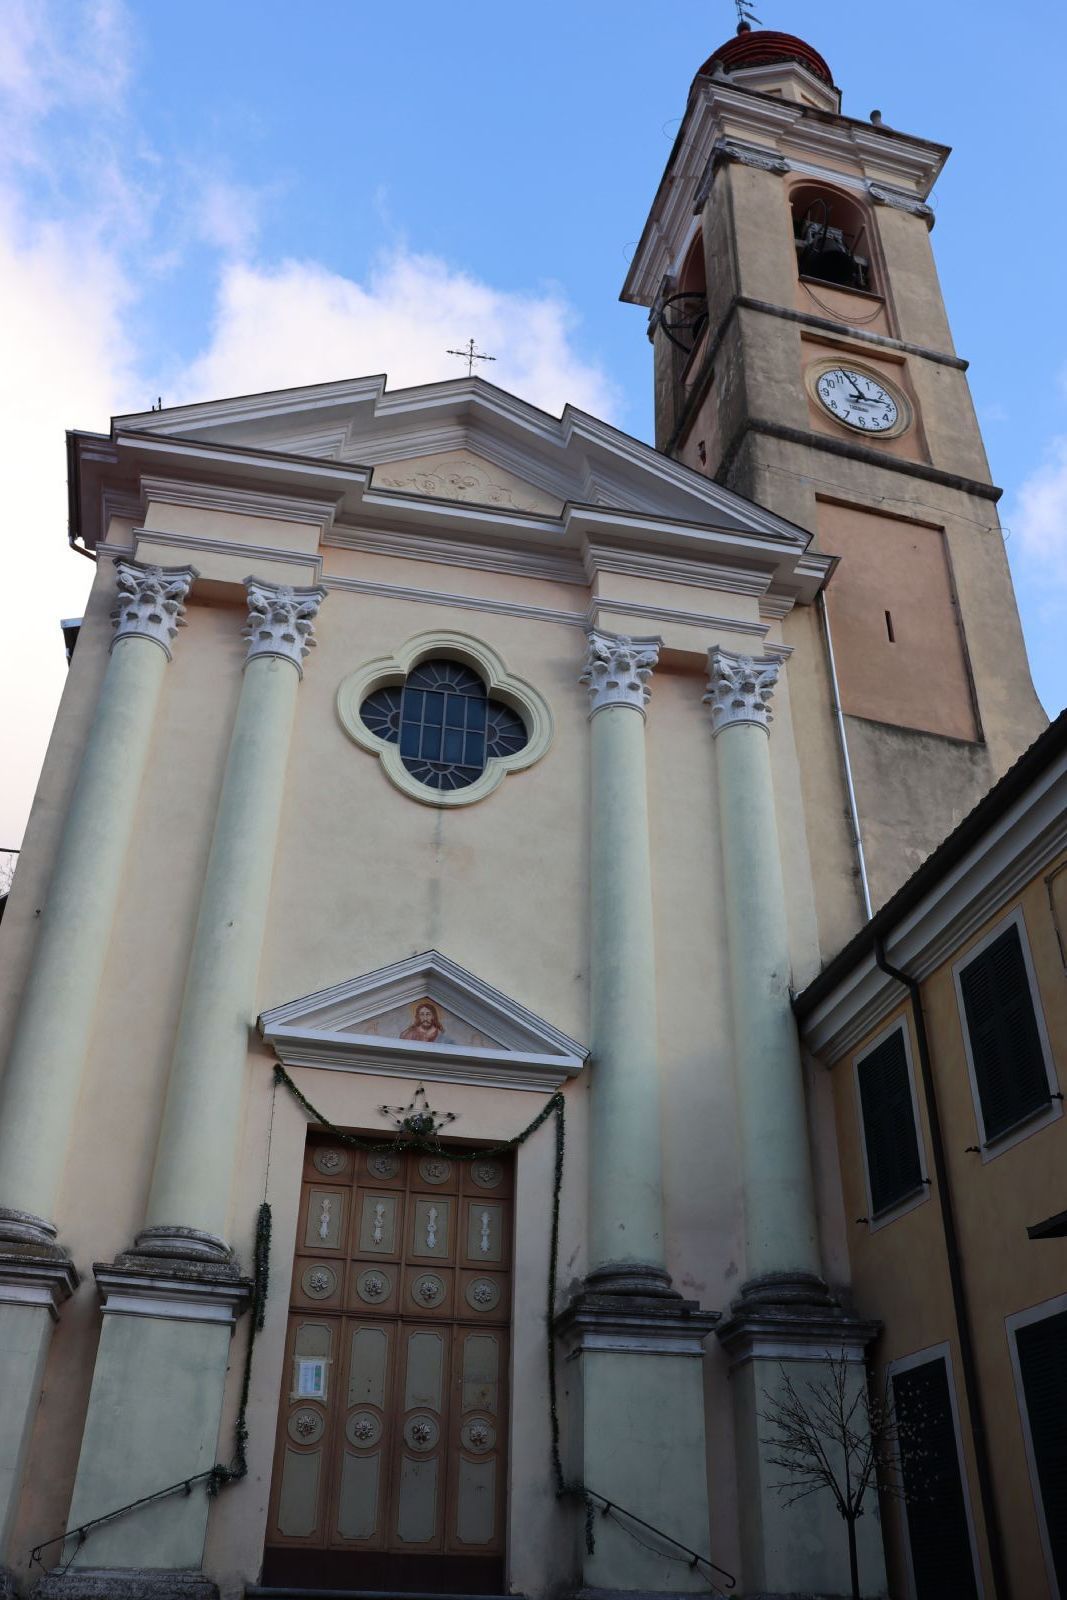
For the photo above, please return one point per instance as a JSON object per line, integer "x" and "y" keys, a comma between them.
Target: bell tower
{"x": 803, "y": 357}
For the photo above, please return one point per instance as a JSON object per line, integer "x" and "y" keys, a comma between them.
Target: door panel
{"x": 391, "y": 1465}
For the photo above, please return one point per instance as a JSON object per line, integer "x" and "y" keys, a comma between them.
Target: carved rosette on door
{"x": 390, "y": 1468}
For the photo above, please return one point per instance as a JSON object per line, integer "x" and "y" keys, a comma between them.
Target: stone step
{"x": 262, "y": 1592}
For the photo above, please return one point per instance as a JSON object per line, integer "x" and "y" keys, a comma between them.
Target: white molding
{"x": 245, "y": 502}
{"x": 922, "y": 1358}
{"x": 466, "y": 602}
{"x": 1030, "y": 834}
{"x": 196, "y": 542}
{"x": 695, "y": 619}
{"x": 521, "y": 696}
{"x": 174, "y": 1299}
{"x": 1042, "y": 1117}
{"x": 909, "y": 1202}
{"x": 1024, "y": 1319}
{"x": 322, "y": 1030}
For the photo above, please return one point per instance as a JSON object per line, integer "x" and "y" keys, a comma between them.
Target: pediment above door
{"x": 424, "y": 1017}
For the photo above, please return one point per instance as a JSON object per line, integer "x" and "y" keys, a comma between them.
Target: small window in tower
{"x": 684, "y": 313}
{"x": 830, "y": 237}
{"x": 445, "y": 723}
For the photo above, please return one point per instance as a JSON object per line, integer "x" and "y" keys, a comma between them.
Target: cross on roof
{"x": 470, "y": 355}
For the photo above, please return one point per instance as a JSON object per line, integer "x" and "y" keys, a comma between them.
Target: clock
{"x": 861, "y": 400}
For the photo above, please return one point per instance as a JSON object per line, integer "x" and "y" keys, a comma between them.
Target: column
{"x": 170, "y": 1302}
{"x": 784, "y": 1313}
{"x": 635, "y": 1387}
{"x": 39, "y": 1088}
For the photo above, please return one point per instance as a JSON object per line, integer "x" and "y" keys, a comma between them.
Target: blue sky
{"x": 202, "y": 198}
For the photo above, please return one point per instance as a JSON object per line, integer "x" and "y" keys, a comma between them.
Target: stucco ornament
{"x": 740, "y": 689}
{"x": 618, "y": 670}
{"x": 281, "y": 620}
{"x": 150, "y": 603}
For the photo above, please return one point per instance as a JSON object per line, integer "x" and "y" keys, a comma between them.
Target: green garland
{"x": 221, "y": 1475}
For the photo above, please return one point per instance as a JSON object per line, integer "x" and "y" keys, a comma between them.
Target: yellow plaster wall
{"x": 899, "y": 1271}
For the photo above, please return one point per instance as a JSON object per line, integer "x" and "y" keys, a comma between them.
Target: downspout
{"x": 961, "y": 1310}
{"x": 853, "y": 808}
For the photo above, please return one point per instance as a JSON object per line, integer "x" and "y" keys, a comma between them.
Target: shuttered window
{"x": 888, "y": 1115}
{"x": 1042, "y": 1348}
{"x": 942, "y": 1563}
{"x": 1009, "y": 1064}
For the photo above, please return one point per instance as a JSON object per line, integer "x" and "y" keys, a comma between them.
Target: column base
{"x": 124, "y": 1583}
{"x": 790, "y": 1325}
{"x": 36, "y": 1276}
{"x": 153, "y": 1417}
{"x": 635, "y": 1424}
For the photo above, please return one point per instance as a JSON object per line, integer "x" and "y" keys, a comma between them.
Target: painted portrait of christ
{"x": 426, "y": 1025}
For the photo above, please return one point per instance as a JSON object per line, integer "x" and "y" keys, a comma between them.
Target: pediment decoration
{"x": 461, "y": 475}
{"x": 424, "y": 1017}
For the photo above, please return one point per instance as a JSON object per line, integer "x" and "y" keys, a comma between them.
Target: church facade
{"x": 410, "y": 1176}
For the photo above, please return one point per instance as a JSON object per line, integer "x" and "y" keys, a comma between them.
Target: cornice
{"x": 319, "y": 513}
{"x": 1031, "y": 833}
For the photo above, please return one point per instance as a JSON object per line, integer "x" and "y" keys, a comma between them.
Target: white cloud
{"x": 297, "y": 323}
{"x": 89, "y": 213}
{"x": 1038, "y": 516}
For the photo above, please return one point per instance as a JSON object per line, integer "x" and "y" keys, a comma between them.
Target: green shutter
{"x": 941, "y": 1560}
{"x": 1009, "y": 1067}
{"x": 1042, "y": 1350}
{"x": 889, "y": 1131}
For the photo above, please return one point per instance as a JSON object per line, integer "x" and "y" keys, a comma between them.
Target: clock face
{"x": 858, "y": 399}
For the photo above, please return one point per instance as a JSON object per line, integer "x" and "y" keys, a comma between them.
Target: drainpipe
{"x": 961, "y": 1310}
{"x": 842, "y": 739}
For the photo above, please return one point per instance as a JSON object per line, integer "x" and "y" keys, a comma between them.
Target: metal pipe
{"x": 960, "y": 1306}
{"x": 853, "y": 808}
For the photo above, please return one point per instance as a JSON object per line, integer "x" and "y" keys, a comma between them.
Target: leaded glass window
{"x": 445, "y": 723}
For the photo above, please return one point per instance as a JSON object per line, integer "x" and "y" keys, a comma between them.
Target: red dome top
{"x": 763, "y": 49}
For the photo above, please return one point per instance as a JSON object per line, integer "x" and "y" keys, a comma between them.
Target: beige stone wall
{"x": 899, "y": 1272}
{"x": 364, "y": 875}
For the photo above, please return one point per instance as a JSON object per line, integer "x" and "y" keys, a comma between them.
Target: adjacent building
{"x": 942, "y": 1025}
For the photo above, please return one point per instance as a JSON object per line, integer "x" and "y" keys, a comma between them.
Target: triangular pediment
{"x": 463, "y": 440}
{"x": 423, "y": 1017}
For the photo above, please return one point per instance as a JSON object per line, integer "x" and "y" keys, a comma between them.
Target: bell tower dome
{"x": 802, "y": 356}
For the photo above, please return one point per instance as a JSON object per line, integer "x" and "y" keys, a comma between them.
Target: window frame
{"x": 1041, "y": 1116}
{"x": 387, "y": 671}
{"x": 921, "y": 1358}
{"x": 917, "y": 1196}
{"x": 1017, "y": 1320}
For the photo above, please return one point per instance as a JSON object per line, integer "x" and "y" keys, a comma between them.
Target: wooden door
{"x": 390, "y": 1465}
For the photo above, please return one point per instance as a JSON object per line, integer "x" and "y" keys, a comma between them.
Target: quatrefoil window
{"x": 446, "y": 718}
{"x": 445, "y": 723}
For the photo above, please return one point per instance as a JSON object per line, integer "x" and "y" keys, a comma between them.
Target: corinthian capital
{"x": 150, "y": 603}
{"x": 618, "y": 669}
{"x": 281, "y": 620}
{"x": 740, "y": 688}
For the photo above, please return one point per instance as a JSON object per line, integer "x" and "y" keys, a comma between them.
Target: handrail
{"x": 82, "y": 1532}
{"x": 607, "y": 1506}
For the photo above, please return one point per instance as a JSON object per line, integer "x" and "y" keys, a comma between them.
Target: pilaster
{"x": 40, "y": 1085}
{"x": 785, "y": 1314}
{"x": 635, "y": 1389}
{"x": 170, "y": 1302}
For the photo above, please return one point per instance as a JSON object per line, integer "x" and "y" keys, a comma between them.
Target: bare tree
{"x": 8, "y": 862}
{"x": 833, "y": 1434}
